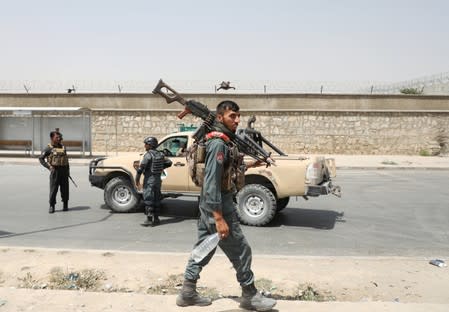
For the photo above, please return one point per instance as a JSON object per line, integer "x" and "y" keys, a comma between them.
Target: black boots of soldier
{"x": 152, "y": 218}
{"x": 65, "y": 207}
{"x": 253, "y": 300}
{"x": 190, "y": 297}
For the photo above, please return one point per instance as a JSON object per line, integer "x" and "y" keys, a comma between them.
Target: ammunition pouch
{"x": 196, "y": 158}
{"x": 234, "y": 174}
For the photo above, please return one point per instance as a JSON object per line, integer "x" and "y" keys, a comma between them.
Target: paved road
{"x": 382, "y": 213}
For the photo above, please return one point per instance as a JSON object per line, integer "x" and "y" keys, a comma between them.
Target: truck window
{"x": 174, "y": 146}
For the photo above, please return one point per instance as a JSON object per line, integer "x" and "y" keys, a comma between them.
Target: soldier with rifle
{"x": 222, "y": 178}
{"x": 55, "y": 159}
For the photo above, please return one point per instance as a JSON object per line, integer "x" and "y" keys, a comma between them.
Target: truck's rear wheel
{"x": 256, "y": 205}
{"x": 120, "y": 196}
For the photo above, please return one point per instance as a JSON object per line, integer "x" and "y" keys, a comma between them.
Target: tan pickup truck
{"x": 267, "y": 189}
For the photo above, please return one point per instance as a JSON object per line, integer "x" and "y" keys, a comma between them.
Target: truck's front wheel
{"x": 281, "y": 203}
{"x": 256, "y": 205}
{"x": 120, "y": 196}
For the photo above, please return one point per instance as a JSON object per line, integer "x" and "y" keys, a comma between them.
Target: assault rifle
{"x": 244, "y": 142}
{"x": 73, "y": 181}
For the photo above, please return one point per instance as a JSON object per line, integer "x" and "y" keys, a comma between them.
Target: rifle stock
{"x": 171, "y": 97}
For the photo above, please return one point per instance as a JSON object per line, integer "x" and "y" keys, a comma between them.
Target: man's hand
{"x": 253, "y": 164}
{"x": 51, "y": 168}
{"x": 221, "y": 225}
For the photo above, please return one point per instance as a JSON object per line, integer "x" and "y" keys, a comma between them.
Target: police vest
{"x": 58, "y": 156}
{"x": 157, "y": 162}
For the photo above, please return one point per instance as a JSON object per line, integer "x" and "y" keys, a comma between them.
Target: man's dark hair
{"x": 53, "y": 133}
{"x": 225, "y": 105}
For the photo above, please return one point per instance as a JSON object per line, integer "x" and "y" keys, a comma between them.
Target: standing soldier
{"x": 54, "y": 158}
{"x": 152, "y": 165}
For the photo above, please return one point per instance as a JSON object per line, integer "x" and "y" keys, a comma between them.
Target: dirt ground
{"x": 329, "y": 279}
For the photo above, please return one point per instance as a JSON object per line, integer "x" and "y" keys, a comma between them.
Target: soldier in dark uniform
{"x": 152, "y": 165}
{"x": 222, "y": 177}
{"x": 54, "y": 158}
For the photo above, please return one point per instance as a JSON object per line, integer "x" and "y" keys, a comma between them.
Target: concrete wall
{"x": 301, "y": 123}
{"x": 250, "y": 102}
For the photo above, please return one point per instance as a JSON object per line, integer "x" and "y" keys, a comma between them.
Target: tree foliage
{"x": 413, "y": 91}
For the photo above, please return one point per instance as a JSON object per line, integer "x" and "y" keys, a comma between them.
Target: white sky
{"x": 321, "y": 40}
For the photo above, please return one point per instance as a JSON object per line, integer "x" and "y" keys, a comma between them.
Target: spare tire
{"x": 256, "y": 205}
{"x": 120, "y": 195}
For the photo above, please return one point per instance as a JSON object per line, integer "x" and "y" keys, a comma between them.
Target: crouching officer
{"x": 54, "y": 158}
{"x": 152, "y": 165}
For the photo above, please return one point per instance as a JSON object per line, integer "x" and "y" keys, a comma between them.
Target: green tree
{"x": 414, "y": 91}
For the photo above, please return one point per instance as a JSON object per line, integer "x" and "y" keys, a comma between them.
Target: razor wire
{"x": 435, "y": 84}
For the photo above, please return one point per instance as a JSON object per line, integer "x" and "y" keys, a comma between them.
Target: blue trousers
{"x": 235, "y": 246}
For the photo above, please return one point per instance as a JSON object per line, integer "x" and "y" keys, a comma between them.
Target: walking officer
{"x": 223, "y": 176}
{"x": 152, "y": 165}
{"x": 54, "y": 158}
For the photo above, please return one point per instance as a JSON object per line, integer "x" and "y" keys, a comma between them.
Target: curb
{"x": 389, "y": 168}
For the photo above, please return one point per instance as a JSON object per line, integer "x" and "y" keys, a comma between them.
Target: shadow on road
{"x": 179, "y": 210}
{"x": 77, "y": 208}
{"x": 188, "y": 209}
{"x": 317, "y": 219}
{"x": 172, "y": 211}
{"x": 7, "y": 235}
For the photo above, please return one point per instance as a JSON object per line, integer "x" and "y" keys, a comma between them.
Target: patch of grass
{"x": 265, "y": 285}
{"x": 211, "y": 293}
{"x": 29, "y": 250}
{"x": 63, "y": 252}
{"x": 1, "y": 278}
{"x": 424, "y": 152}
{"x": 88, "y": 279}
{"x": 302, "y": 292}
{"x": 173, "y": 284}
{"x": 28, "y": 281}
{"x": 308, "y": 293}
{"x": 170, "y": 286}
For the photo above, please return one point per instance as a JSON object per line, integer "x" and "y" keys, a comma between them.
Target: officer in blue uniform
{"x": 218, "y": 213}
{"x": 152, "y": 165}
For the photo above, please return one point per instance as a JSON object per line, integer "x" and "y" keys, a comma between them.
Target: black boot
{"x": 190, "y": 297}
{"x": 66, "y": 206}
{"x": 156, "y": 220}
{"x": 51, "y": 209}
{"x": 148, "y": 221}
{"x": 253, "y": 300}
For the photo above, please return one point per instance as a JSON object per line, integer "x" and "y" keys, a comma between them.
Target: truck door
{"x": 175, "y": 178}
